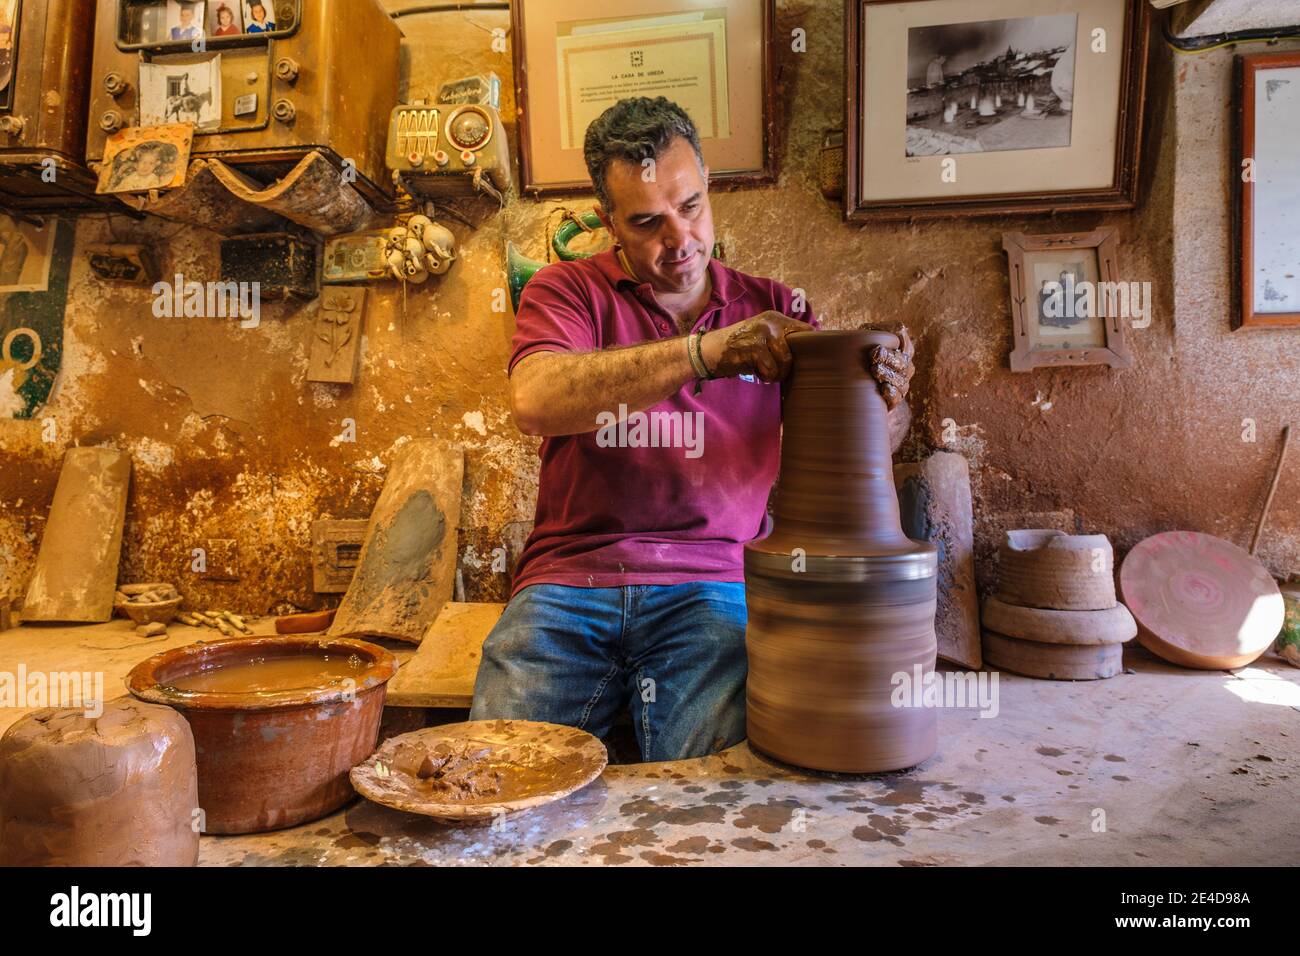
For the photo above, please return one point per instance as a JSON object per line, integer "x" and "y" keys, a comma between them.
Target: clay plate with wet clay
{"x": 467, "y": 774}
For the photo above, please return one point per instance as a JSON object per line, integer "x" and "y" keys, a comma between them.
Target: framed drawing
{"x": 988, "y": 107}
{"x": 712, "y": 57}
{"x": 1067, "y": 304}
{"x": 1267, "y": 194}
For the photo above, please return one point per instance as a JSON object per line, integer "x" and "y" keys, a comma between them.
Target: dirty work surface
{"x": 1189, "y": 767}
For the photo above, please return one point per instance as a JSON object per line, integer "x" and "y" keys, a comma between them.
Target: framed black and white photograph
{"x": 984, "y": 107}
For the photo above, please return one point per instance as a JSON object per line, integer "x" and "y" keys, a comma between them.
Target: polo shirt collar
{"x": 725, "y": 288}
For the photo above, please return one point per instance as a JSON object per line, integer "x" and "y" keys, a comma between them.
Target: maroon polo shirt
{"x": 670, "y": 496}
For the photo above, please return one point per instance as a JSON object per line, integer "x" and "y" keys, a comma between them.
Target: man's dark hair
{"x": 634, "y": 130}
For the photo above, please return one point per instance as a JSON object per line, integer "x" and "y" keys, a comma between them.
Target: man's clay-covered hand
{"x": 756, "y": 346}
{"x": 892, "y": 368}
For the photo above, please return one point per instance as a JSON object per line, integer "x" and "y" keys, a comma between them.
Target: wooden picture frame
{"x": 1266, "y": 190}
{"x": 899, "y": 183}
{"x": 747, "y": 156}
{"x": 1095, "y": 338}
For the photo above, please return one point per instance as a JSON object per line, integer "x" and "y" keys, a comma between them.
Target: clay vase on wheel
{"x": 841, "y": 602}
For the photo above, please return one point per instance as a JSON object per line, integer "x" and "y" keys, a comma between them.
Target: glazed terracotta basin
{"x": 272, "y": 759}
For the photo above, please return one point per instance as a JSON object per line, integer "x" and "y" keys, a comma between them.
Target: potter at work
{"x": 648, "y": 434}
{"x": 629, "y": 594}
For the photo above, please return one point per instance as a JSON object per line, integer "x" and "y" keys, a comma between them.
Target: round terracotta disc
{"x": 1200, "y": 601}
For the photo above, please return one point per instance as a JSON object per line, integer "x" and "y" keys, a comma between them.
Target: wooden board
{"x": 1200, "y": 601}
{"x": 1053, "y": 661}
{"x": 935, "y": 505}
{"x": 75, "y": 576}
{"x": 442, "y": 671}
{"x": 408, "y": 562}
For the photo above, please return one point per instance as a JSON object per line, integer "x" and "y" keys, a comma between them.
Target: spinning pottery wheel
{"x": 840, "y": 600}
{"x": 1200, "y": 601}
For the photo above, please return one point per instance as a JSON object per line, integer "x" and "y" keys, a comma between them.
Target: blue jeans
{"x": 673, "y": 655}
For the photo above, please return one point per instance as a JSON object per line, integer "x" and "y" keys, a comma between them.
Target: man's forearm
{"x": 561, "y": 393}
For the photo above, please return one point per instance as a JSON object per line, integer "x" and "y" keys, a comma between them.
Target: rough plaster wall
{"x": 230, "y": 441}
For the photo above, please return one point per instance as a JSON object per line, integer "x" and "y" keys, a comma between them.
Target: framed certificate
{"x": 1267, "y": 189}
{"x": 988, "y": 107}
{"x": 711, "y": 57}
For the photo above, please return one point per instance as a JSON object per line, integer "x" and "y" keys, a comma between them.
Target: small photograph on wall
{"x": 990, "y": 85}
{"x": 139, "y": 159}
{"x": 225, "y": 18}
{"x": 1066, "y": 315}
{"x": 184, "y": 20}
{"x": 25, "y": 252}
{"x": 259, "y": 17}
{"x": 186, "y": 91}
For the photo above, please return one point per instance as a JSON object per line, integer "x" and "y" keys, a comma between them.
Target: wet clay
{"x": 116, "y": 790}
{"x": 262, "y": 675}
{"x": 469, "y": 773}
{"x": 840, "y": 600}
{"x": 460, "y": 772}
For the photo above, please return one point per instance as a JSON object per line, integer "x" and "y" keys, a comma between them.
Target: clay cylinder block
{"x": 840, "y": 601}
{"x": 116, "y": 790}
{"x": 1112, "y": 626}
{"x": 1050, "y": 569}
{"x": 272, "y": 757}
{"x": 1053, "y": 661}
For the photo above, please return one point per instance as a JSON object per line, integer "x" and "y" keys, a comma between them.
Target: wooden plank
{"x": 442, "y": 671}
{"x": 408, "y": 562}
{"x": 76, "y": 569}
{"x": 934, "y": 501}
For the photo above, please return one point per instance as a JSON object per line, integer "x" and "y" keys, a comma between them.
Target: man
{"x": 629, "y": 593}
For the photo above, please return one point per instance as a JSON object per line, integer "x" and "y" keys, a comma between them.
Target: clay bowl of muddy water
{"x": 278, "y": 722}
{"x": 468, "y": 774}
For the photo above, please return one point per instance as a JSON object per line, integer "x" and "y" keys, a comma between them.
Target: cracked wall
{"x": 230, "y": 442}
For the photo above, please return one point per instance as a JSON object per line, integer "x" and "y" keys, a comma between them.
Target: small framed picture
{"x": 138, "y": 159}
{"x": 259, "y": 16}
{"x": 185, "y": 20}
{"x": 1267, "y": 191}
{"x": 225, "y": 18}
{"x": 1068, "y": 306}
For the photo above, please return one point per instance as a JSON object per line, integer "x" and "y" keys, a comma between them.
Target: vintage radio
{"x": 448, "y": 150}
{"x": 45, "y": 48}
{"x": 265, "y": 82}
